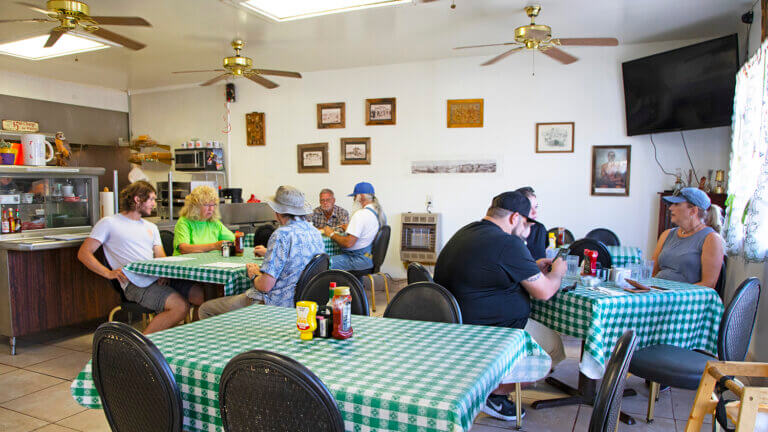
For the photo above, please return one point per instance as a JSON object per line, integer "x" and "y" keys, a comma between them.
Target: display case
{"x": 49, "y": 200}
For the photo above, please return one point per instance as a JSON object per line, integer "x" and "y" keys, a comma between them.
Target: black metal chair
{"x": 424, "y": 301}
{"x": 678, "y": 367}
{"x": 568, "y": 236}
{"x": 605, "y": 415}
{"x": 265, "y": 391}
{"x": 135, "y": 383}
{"x": 167, "y": 238}
{"x": 317, "y": 289}
{"x": 125, "y": 304}
{"x": 720, "y": 285}
{"x": 262, "y": 234}
{"x": 603, "y": 256}
{"x": 379, "y": 252}
{"x": 418, "y": 273}
{"x": 318, "y": 264}
{"x": 608, "y": 237}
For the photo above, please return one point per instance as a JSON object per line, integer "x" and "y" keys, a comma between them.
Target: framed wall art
{"x": 254, "y": 129}
{"x": 330, "y": 115}
{"x": 356, "y": 151}
{"x": 463, "y": 113}
{"x": 610, "y": 170}
{"x": 380, "y": 111}
{"x": 554, "y": 137}
{"x": 312, "y": 158}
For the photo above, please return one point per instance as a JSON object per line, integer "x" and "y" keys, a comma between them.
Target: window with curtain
{"x": 746, "y": 227}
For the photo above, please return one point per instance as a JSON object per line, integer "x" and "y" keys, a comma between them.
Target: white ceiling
{"x": 195, "y": 34}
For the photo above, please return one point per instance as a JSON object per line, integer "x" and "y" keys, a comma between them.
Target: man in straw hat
{"x": 287, "y": 253}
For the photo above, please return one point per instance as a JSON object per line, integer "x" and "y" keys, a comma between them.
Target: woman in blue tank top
{"x": 693, "y": 251}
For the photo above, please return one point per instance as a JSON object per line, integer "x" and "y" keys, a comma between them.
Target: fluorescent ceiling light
{"x": 288, "y": 10}
{"x": 32, "y": 48}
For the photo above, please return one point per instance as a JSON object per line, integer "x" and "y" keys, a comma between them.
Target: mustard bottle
{"x": 306, "y": 312}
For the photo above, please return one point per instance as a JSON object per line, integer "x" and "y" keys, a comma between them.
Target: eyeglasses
{"x": 209, "y": 205}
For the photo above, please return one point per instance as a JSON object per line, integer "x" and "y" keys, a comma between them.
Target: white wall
{"x": 589, "y": 93}
{"x": 32, "y": 87}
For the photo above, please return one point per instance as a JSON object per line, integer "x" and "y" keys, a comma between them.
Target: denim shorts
{"x": 153, "y": 296}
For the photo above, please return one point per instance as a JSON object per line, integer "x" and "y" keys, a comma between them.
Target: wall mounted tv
{"x": 687, "y": 88}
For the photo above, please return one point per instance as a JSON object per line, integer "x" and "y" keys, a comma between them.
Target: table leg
{"x": 13, "y": 345}
{"x": 518, "y": 406}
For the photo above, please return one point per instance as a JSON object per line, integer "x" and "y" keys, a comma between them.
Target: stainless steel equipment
{"x": 199, "y": 159}
{"x": 180, "y": 190}
{"x": 247, "y": 216}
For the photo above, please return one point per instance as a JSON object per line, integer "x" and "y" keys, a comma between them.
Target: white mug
{"x": 33, "y": 146}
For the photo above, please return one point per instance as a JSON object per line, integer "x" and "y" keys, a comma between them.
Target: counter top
{"x": 34, "y": 241}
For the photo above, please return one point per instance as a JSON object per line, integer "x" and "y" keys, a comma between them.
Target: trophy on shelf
{"x": 719, "y": 181}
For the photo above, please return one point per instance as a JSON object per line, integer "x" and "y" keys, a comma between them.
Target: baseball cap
{"x": 692, "y": 195}
{"x": 362, "y": 188}
{"x": 514, "y": 201}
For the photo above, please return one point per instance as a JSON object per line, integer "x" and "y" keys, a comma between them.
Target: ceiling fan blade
{"x": 277, "y": 73}
{"x": 29, "y": 20}
{"x": 589, "y": 41}
{"x": 54, "y": 37}
{"x": 118, "y": 39}
{"x": 502, "y": 56}
{"x": 559, "y": 55}
{"x": 195, "y": 71}
{"x": 489, "y": 45}
{"x": 261, "y": 80}
{"x": 216, "y": 79}
{"x": 36, "y": 9}
{"x": 118, "y": 20}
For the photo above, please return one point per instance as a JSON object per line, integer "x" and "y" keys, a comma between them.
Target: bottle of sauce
{"x": 552, "y": 241}
{"x": 306, "y": 312}
{"x": 6, "y": 224}
{"x": 11, "y": 221}
{"x": 239, "y": 243}
{"x": 18, "y": 221}
{"x": 342, "y": 313}
{"x": 589, "y": 265}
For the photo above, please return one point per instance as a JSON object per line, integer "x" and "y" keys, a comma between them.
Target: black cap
{"x": 515, "y": 202}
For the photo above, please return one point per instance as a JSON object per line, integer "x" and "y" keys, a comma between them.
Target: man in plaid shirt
{"x": 329, "y": 214}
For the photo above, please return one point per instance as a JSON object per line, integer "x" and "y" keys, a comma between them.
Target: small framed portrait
{"x": 610, "y": 170}
{"x": 380, "y": 111}
{"x": 463, "y": 113}
{"x": 554, "y": 137}
{"x": 313, "y": 158}
{"x": 330, "y": 115}
{"x": 356, "y": 151}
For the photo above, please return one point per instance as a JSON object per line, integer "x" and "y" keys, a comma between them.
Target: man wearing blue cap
{"x": 363, "y": 226}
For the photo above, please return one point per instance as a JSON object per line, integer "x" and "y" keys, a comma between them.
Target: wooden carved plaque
{"x": 254, "y": 129}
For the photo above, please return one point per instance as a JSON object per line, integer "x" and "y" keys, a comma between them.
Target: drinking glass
{"x": 647, "y": 272}
{"x": 573, "y": 265}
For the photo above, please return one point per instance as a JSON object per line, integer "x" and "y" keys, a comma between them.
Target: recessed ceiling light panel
{"x": 283, "y": 10}
{"x": 32, "y": 48}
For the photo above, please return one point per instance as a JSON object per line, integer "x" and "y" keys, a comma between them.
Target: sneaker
{"x": 498, "y": 406}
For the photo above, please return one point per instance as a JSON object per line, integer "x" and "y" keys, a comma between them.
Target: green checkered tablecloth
{"x": 623, "y": 255}
{"x": 235, "y": 280}
{"x": 393, "y": 375}
{"x": 687, "y": 316}
{"x": 331, "y": 247}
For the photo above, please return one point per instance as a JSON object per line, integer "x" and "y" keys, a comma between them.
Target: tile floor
{"x": 34, "y": 391}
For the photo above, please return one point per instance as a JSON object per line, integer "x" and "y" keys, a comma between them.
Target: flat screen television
{"x": 687, "y": 88}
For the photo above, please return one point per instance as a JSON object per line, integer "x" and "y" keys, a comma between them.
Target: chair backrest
{"x": 418, "y": 273}
{"x": 603, "y": 257}
{"x": 379, "y": 247}
{"x": 605, "y": 415}
{"x": 317, "y": 289}
{"x": 424, "y": 301}
{"x": 720, "y": 285}
{"x": 738, "y": 321}
{"x": 262, "y": 234}
{"x": 135, "y": 383}
{"x": 568, "y": 236}
{"x": 167, "y": 238}
{"x": 319, "y": 263}
{"x": 608, "y": 237}
{"x": 265, "y": 391}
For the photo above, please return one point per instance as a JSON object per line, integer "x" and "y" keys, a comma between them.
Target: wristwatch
{"x": 254, "y": 277}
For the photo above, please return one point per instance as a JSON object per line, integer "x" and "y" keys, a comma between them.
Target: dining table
{"x": 622, "y": 255}
{"x": 331, "y": 247}
{"x": 392, "y": 375}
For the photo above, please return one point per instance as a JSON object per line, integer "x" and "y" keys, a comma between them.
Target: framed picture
{"x": 330, "y": 115}
{"x": 380, "y": 111}
{"x": 254, "y": 129}
{"x": 313, "y": 158}
{"x": 355, "y": 151}
{"x": 554, "y": 137}
{"x": 464, "y": 113}
{"x": 610, "y": 170}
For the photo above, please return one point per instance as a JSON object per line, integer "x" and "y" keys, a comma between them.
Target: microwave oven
{"x": 199, "y": 159}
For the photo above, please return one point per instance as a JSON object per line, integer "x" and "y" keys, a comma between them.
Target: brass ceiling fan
{"x": 539, "y": 37}
{"x": 73, "y": 15}
{"x": 240, "y": 66}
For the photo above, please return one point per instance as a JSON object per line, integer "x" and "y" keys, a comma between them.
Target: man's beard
{"x": 145, "y": 212}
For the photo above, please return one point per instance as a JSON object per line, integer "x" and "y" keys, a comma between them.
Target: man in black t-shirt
{"x": 489, "y": 270}
{"x": 537, "y": 240}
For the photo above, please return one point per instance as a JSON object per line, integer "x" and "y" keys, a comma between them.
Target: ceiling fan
{"x": 73, "y": 15}
{"x": 240, "y": 66}
{"x": 539, "y": 37}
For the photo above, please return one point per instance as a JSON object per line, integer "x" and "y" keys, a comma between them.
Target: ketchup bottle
{"x": 342, "y": 313}
{"x": 589, "y": 267}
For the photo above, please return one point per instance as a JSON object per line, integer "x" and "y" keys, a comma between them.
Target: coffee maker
{"x": 235, "y": 195}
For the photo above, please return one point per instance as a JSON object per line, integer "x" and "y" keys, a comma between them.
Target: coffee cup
{"x": 67, "y": 190}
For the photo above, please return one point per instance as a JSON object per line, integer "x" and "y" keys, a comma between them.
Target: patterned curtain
{"x": 746, "y": 231}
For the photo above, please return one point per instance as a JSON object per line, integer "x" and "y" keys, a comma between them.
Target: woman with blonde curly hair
{"x": 199, "y": 228}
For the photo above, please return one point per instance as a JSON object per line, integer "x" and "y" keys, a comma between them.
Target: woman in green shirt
{"x": 199, "y": 228}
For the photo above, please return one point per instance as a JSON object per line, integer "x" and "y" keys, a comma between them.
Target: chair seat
{"x": 670, "y": 365}
{"x": 129, "y": 306}
{"x": 361, "y": 273}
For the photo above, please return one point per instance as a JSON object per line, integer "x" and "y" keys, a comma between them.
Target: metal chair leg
{"x": 518, "y": 406}
{"x": 113, "y": 312}
{"x": 652, "y": 395}
{"x": 373, "y": 293}
{"x": 386, "y": 286}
